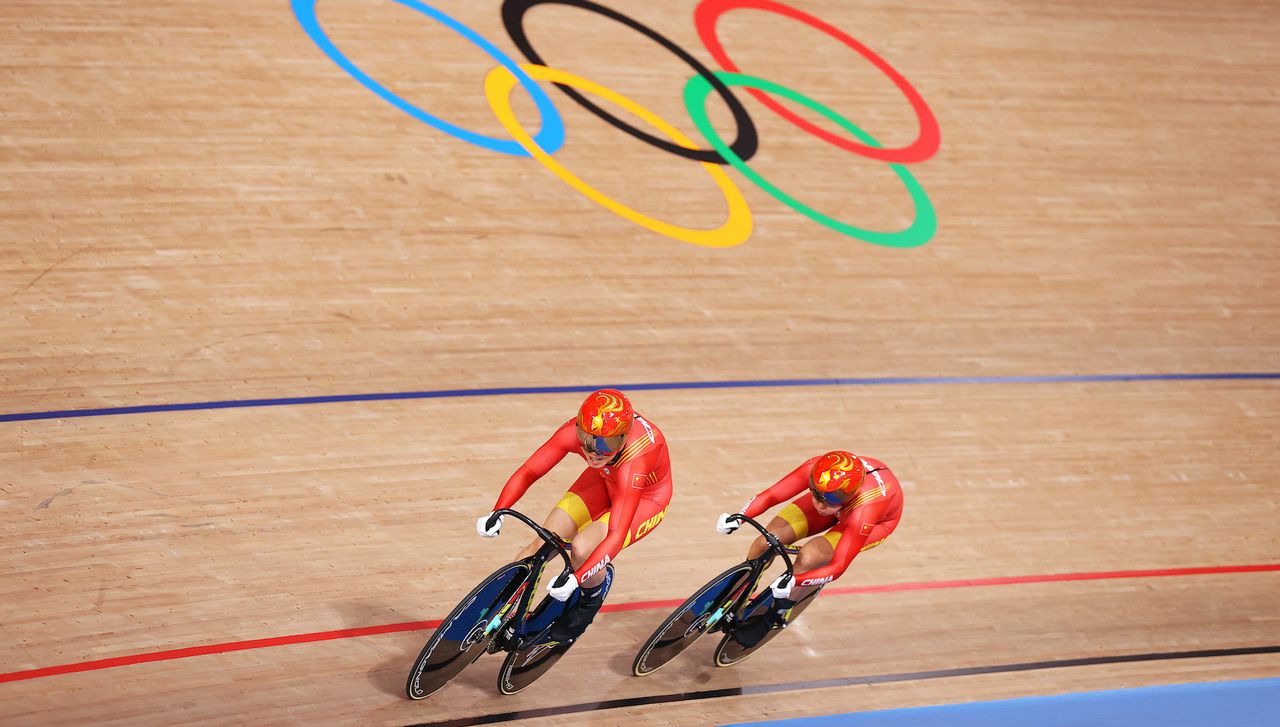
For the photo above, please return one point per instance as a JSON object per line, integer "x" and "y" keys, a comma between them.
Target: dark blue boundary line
{"x": 663, "y": 386}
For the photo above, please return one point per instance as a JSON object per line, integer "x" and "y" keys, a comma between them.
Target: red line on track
{"x": 1055, "y": 577}
{"x": 49, "y": 671}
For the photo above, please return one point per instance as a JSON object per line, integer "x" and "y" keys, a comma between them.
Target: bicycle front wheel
{"x": 693, "y": 618}
{"x": 462, "y": 636}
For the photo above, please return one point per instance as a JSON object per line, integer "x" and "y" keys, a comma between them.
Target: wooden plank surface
{"x": 197, "y": 205}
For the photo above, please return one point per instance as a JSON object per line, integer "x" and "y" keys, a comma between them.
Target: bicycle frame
{"x": 758, "y": 565}
{"x": 471, "y": 627}
{"x": 717, "y": 606}
{"x": 553, "y": 545}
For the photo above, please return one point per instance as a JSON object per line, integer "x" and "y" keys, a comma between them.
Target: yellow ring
{"x": 735, "y": 231}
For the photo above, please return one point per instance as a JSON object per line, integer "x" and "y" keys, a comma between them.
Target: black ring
{"x": 513, "y": 12}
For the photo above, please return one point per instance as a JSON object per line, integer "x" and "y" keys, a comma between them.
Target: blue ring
{"x": 550, "y": 138}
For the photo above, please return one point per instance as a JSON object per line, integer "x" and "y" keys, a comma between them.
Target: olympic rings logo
{"x": 503, "y": 78}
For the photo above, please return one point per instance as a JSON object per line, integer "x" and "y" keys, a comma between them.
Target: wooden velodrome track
{"x": 200, "y": 205}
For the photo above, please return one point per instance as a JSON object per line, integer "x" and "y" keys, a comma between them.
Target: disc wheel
{"x": 462, "y": 636}
{"x": 690, "y": 620}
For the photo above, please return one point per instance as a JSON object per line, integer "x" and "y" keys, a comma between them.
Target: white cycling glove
{"x": 562, "y": 593}
{"x": 725, "y": 526}
{"x": 782, "y": 586}
{"x": 482, "y": 526}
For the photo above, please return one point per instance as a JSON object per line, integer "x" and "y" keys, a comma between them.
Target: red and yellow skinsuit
{"x": 630, "y": 493}
{"x": 863, "y": 523}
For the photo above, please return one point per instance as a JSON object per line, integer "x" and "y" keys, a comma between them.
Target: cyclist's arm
{"x": 785, "y": 489}
{"x": 854, "y": 529}
{"x": 564, "y": 441}
{"x": 620, "y": 516}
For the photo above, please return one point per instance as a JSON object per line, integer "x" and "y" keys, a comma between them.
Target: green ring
{"x": 920, "y": 231}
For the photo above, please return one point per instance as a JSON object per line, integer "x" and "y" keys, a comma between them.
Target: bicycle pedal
{"x": 502, "y": 641}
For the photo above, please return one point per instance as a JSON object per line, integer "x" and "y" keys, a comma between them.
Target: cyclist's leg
{"x": 581, "y": 504}
{"x": 800, "y": 519}
{"x": 649, "y": 513}
{"x": 782, "y": 529}
{"x": 558, "y": 522}
{"x": 575, "y": 620}
{"x": 584, "y": 544}
{"x": 816, "y": 553}
{"x": 795, "y": 522}
{"x": 803, "y": 519}
{"x": 819, "y": 551}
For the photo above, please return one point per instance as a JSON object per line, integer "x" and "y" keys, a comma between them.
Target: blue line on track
{"x": 662, "y": 386}
{"x": 1252, "y": 703}
{"x": 848, "y": 681}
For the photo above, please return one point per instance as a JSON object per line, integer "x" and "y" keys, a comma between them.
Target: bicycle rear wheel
{"x": 534, "y": 657}
{"x": 691, "y": 620}
{"x": 462, "y": 636}
{"x": 730, "y": 652}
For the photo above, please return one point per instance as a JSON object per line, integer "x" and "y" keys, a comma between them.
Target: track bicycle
{"x": 720, "y": 606}
{"x": 494, "y": 617}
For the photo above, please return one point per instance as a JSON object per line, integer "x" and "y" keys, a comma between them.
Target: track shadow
{"x": 396, "y": 650}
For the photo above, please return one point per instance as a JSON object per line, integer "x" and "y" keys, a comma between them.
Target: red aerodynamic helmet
{"x": 835, "y": 477}
{"x": 606, "y": 413}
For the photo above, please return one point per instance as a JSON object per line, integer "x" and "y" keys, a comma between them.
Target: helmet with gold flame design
{"x": 835, "y": 478}
{"x": 603, "y": 422}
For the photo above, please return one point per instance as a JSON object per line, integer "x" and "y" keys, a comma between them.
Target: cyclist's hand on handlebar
{"x": 782, "y": 586}
{"x": 562, "y": 592}
{"x": 725, "y": 526}
{"x": 482, "y": 526}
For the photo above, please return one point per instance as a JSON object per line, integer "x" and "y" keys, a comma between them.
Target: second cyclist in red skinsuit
{"x": 854, "y": 502}
{"x": 618, "y": 500}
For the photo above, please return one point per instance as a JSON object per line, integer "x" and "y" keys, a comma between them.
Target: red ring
{"x": 926, "y": 143}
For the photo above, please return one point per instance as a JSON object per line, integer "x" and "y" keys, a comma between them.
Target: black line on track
{"x": 843, "y": 682}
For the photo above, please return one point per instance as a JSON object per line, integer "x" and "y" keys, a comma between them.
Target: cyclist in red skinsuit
{"x": 857, "y": 501}
{"x": 619, "y": 499}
